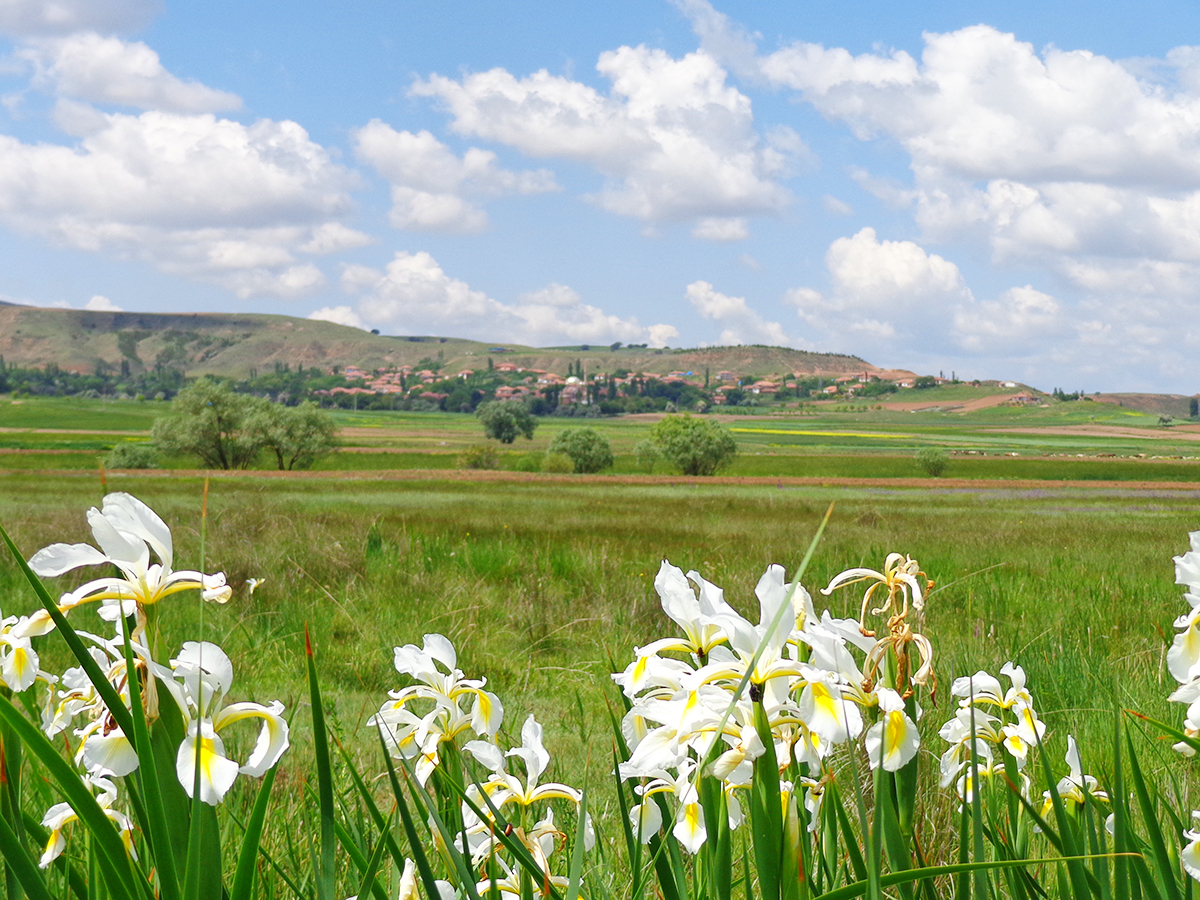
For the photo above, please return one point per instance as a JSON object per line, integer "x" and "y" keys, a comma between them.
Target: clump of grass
{"x": 558, "y": 464}
{"x": 479, "y": 456}
{"x": 932, "y": 461}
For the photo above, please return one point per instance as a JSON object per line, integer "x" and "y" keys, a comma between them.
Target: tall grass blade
{"x": 1166, "y": 882}
{"x": 428, "y": 806}
{"x": 191, "y": 876}
{"x": 575, "y": 877}
{"x": 10, "y": 796}
{"x": 325, "y": 875}
{"x": 377, "y": 818}
{"x": 766, "y": 815}
{"x": 155, "y": 824}
{"x": 1078, "y": 879}
{"x": 25, "y": 872}
{"x": 859, "y": 888}
{"x": 1120, "y": 810}
{"x": 368, "y": 882}
{"x": 243, "y": 877}
{"x": 104, "y": 834}
{"x": 415, "y": 845}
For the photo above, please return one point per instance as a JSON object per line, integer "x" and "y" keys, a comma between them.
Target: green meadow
{"x": 541, "y": 585}
{"x": 545, "y": 585}
{"x": 1078, "y": 441}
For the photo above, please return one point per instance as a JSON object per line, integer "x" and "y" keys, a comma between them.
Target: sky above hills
{"x": 994, "y": 189}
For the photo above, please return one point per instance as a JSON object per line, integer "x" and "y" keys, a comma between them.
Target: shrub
{"x": 479, "y": 456}
{"x": 530, "y": 462}
{"x": 558, "y": 464}
{"x": 932, "y": 461}
{"x": 132, "y": 455}
{"x": 647, "y": 455}
{"x": 695, "y": 446}
{"x": 505, "y": 419}
{"x": 587, "y": 448}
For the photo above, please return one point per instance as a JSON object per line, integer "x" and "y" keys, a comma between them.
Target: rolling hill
{"x": 233, "y": 344}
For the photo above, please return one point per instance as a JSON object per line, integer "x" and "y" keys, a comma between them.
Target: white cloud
{"x": 100, "y": 303}
{"x": 334, "y": 237}
{"x": 415, "y": 295}
{"x": 741, "y": 324}
{"x": 1065, "y": 158}
{"x": 22, "y": 18}
{"x": 673, "y": 139}
{"x": 658, "y": 335}
{"x": 197, "y": 196}
{"x": 836, "y": 207}
{"x": 882, "y": 291}
{"x": 339, "y": 315}
{"x": 1022, "y": 319}
{"x": 98, "y": 69}
{"x": 750, "y": 262}
{"x": 721, "y": 230}
{"x": 877, "y": 275}
{"x": 432, "y": 189}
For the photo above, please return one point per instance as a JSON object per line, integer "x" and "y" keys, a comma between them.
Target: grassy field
{"x": 1064, "y": 441}
{"x": 546, "y": 585}
{"x": 539, "y": 585}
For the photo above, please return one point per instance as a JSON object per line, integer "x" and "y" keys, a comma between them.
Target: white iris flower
{"x": 127, "y": 532}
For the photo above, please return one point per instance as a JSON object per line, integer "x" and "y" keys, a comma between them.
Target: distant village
{"x": 609, "y": 393}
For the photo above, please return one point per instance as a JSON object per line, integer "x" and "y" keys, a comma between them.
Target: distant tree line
{"x": 159, "y": 382}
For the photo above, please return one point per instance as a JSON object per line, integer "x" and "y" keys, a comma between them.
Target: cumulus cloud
{"x": 414, "y": 294}
{"x": 88, "y": 66}
{"x": 1022, "y": 318}
{"x": 1063, "y": 158}
{"x": 658, "y": 335}
{"x": 712, "y": 228}
{"x": 882, "y": 291}
{"x": 1067, "y": 161}
{"x": 30, "y": 18}
{"x": 334, "y": 237}
{"x": 876, "y": 275}
{"x": 339, "y": 315}
{"x": 100, "y": 303}
{"x": 434, "y": 190}
{"x": 674, "y": 141}
{"x": 194, "y": 195}
{"x": 740, "y": 324}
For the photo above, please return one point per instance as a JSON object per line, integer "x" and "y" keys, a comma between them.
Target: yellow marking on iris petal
{"x": 824, "y": 700}
{"x": 894, "y": 730}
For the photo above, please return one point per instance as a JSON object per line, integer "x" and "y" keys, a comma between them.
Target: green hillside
{"x": 232, "y": 344}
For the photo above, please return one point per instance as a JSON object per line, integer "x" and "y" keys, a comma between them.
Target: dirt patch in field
{"x": 953, "y": 405}
{"x": 1180, "y": 432}
{"x": 941, "y": 484}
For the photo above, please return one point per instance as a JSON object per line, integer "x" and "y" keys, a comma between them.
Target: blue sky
{"x": 1002, "y": 190}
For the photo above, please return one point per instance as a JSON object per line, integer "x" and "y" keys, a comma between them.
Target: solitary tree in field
{"x": 505, "y": 419}
{"x": 695, "y": 446}
{"x": 211, "y": 421}
{"x": 297, "y": 435}
{"x": 228, "y": 430}
{"x": 586, "y": 447}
